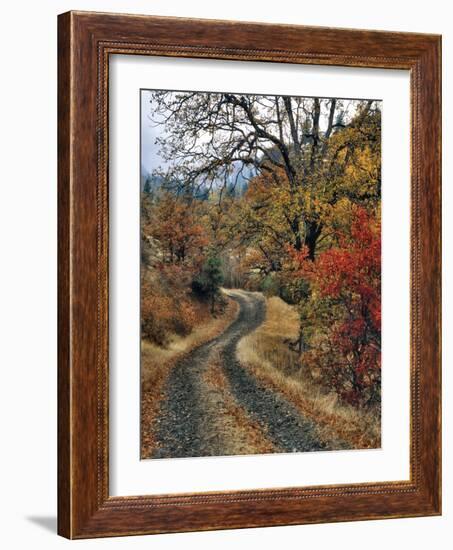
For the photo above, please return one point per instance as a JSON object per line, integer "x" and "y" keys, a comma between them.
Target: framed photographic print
{"x": 249, "y": 275}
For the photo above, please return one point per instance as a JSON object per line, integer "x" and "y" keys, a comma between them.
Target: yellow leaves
{"x": 365, "y": 168}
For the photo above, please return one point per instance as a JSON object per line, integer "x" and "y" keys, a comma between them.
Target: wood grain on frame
{"x": 85, "y": 42}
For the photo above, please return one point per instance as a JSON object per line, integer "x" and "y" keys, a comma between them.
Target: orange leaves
{"x": 175, "y": 225}
{"x": 166, "y": 309}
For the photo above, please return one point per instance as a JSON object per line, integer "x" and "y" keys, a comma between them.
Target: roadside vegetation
{"x": 265, "y": 352}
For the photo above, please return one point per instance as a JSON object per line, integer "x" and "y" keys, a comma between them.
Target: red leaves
{"x": 352, "y": 272}
{"x": 355, "y": 265}
{"x": 349, "y": 276}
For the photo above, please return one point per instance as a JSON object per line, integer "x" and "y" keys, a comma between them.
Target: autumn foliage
{"x": 175, "y": 226}
{"x": 277, "y": 195}
{"x": 346, "y": 280}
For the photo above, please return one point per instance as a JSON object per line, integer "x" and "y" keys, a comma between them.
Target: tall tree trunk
{"x": 313, "y": 230}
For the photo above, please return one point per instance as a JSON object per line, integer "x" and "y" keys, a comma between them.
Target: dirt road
{"x": 190, "y": 421}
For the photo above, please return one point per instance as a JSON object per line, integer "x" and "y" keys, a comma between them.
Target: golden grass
{"x": 157, "y": 362}
{"x": 268, "y": 356}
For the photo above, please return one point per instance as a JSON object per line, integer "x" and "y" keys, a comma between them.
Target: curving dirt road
{"x": 189, "y": 419}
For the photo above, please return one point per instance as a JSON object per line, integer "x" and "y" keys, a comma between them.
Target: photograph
{"x": 260, "y": 273}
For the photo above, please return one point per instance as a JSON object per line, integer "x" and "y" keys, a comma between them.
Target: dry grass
{"x": 268, "y": 356}
{"x": 157, "y": 362}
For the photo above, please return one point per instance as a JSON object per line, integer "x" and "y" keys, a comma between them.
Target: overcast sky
{"x": 150, "y": 158}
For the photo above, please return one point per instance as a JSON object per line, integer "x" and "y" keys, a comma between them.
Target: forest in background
{"x": 274, "y": 194}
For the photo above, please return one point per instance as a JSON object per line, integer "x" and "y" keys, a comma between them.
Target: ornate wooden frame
{"x": 85, "y": 41}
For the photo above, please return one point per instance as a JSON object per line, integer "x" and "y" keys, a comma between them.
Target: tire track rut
{"x": 184, "y": 424}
